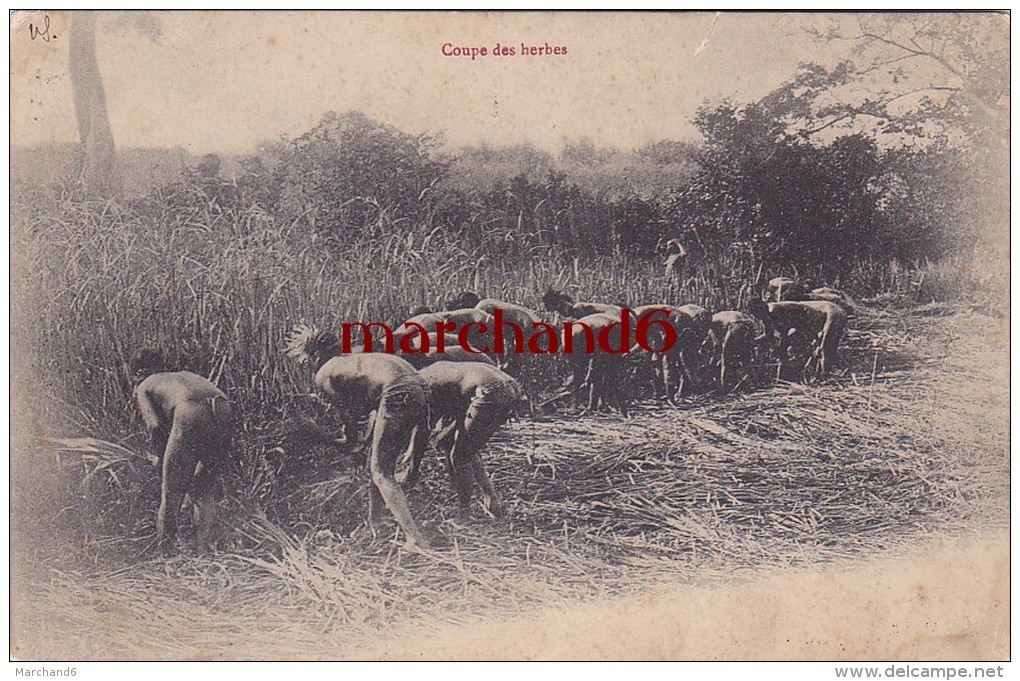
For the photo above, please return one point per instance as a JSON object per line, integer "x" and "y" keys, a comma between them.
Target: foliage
{"x": 349, "y": 172}
{"x": 769, "y": 186}
{"x": 933, "y": 74}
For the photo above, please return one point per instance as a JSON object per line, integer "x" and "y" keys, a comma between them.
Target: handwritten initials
{"x": 43, "y": 32}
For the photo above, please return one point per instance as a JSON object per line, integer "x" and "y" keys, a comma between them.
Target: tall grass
{"x": 217, "y": 290}
{"x": 219, "y": 293}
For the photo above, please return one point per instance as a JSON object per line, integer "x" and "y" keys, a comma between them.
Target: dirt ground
{"x": 947, "y": 602}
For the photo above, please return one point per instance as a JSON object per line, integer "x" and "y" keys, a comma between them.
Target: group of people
{"x": 398, "y": 405}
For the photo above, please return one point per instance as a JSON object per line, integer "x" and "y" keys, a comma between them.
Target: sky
{"x": 225, "y": 82}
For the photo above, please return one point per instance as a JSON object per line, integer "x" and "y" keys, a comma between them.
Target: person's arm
{"x": 159, "y": 431}
{"x": 359, "y": 431}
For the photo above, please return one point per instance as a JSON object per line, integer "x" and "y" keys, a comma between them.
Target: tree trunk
{"x": 95, "y": 165}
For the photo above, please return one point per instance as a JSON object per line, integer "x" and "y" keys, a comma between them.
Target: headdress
{"x": 307, "y": 343}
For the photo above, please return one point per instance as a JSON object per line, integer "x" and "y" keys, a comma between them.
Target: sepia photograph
{"x": 510, "y": 336}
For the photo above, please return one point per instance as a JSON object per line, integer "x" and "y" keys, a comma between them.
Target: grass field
{"x": 906, "y": 443}
{"x": 909, "y": 443}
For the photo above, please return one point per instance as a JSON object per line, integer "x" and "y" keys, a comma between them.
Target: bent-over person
{"x": 735, "y": 336}
{"x": 818, "y": 323}
{"x": 359, "y": 384}
{"x": 564, "y": 304}
{"x": 470, "y": 401}
{"x": 190, "y": 422}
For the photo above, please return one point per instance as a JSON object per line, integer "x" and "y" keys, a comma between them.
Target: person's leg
{"x": 178, "y": 468}
{"x": 458, "y": 463}
{"x": 481, "y": 422}
{"x": 213, "y": 437}
{"x": 390, "y": 439}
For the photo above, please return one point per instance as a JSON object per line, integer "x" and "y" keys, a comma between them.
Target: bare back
{"x": 580, "y": 310}
{"x": 160, "y": 395}
{"x": 449, "y": 340}
{"x": 516, "y": 314}
{"x": 467, "y": 315}
{"x": 190, "y": 421}
{"x": 722, "y": 321}
{"x": 455, "y": 380}
{"x": 452, "y": 353}
{"x": 578, "y": 336}
{"x": 358, "y": 381}
{"x": 429, "y": 321}
{"x": 698, "y": 318}
{"x": 807, "y": 316}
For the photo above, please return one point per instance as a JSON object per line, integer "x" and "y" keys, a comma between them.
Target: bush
{"x": 349, "y": 172}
